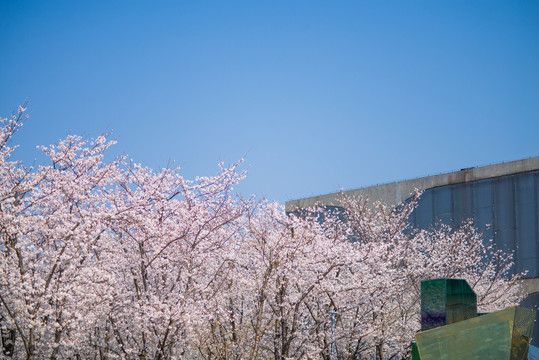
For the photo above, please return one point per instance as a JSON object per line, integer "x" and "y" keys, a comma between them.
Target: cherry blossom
{"x": 114, "y": 260}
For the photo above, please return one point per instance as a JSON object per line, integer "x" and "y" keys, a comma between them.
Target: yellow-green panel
{"x": 502, "y": 335}
{"x": 522, "y": 331}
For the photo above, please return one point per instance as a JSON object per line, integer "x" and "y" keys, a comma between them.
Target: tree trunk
{"x": 8, "y": 342}
{"x": 379, "y": 352}
{"x": 30, "y": 351}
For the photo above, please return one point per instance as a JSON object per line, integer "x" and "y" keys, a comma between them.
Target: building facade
{"x": 503, "y": 200}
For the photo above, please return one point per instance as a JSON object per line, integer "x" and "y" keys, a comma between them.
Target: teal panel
{"x": 445, "y": 301}
{"x": 415, "y": 352}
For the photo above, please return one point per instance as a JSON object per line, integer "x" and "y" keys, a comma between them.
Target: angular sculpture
{"x": 446, "y": 301}
{"x": 503, "y": 335}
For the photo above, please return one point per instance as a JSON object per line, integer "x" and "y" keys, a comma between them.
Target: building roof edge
{"x": 396, "y": 192}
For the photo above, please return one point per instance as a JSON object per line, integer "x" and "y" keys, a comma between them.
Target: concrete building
{"x": 503, "y": 199}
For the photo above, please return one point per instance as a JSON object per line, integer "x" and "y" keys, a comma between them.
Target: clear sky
{"x": 316, "y": 95}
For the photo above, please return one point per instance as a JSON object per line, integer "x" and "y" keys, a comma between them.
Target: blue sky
{"x": 316, "y": 95}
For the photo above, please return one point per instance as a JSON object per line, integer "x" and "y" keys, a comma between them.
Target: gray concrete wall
{"x": 396, "y": 192}
{"x": 530, "y": 286}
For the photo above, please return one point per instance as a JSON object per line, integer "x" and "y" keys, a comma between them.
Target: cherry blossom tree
{"x": 402, "y": 256}
{"x": 50, "y": 219}
{"x": 319, "y": 284}
{"x": 107, "y": 260}
{"x": 171, "y": 233}
{"x": 270, "y": 308}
